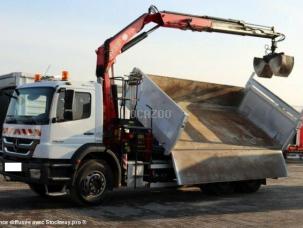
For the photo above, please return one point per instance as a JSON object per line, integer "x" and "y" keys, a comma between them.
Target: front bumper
{"x": 51, "y": 171}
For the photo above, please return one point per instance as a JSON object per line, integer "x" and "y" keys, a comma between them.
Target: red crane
{"x": 126, "y": 38}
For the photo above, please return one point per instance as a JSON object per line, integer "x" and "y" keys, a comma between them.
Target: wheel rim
{"x": 93, "y": 185}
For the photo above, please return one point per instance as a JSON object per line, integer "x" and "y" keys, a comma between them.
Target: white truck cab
{"x": 47, "y": 123}
{"x": 61, "y": 115}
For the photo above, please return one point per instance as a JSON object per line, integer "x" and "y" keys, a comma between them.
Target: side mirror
{"x": 68, "y": 105}
{"x": 68, "y": 115}
{"x": 69, "y": 97}
{"x": 64, "y": 106}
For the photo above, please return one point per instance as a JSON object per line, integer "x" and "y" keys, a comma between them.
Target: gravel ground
{"x": 278, "y": 204}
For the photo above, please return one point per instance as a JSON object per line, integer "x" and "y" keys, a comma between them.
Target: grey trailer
{"x": 217, "y": 133}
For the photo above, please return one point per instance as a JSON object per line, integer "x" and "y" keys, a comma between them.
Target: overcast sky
{"x": 65, "y": 34}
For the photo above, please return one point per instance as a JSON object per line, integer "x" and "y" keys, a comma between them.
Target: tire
{"x": 94, "y": 180}
{"x": 224, "y": 188}
{"x": 249, "y": 186}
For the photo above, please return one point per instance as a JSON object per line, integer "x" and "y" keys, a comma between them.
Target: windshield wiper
{"x": 28, "y": 120}
{"x": 11, "y": 96}
{"x": 34, "y": 120}
{"x": 20, "y": 119}
{"x": 10, "y": 119}
{"x": 17, "y": 92}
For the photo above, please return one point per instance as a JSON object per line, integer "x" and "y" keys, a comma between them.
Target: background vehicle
{"x": 79, "y": 139}
{"x": 295, "y": 148}
{"x": 8, "y": 83}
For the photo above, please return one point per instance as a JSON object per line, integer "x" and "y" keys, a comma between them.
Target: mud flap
{"x": 205, "y": 165}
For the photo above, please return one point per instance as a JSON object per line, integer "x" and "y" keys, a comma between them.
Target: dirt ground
{"x": 278, "y": 204}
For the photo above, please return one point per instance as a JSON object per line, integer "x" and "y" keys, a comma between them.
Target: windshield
{"x": 30, "y": 106}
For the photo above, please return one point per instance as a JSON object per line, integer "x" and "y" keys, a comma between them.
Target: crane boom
{"x": 112, "y": 47}
{"x": 216, "y": 24}
{"x": 127, "y": 37}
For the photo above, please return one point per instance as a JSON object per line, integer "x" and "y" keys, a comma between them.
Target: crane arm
{"x": 112, "y": 47}
{"x": 127, "y": 37}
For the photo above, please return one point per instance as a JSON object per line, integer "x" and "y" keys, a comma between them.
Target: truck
{"x": 8, "y": 82}
{"x": 86, "y": 139}
{"x": 294, "y": 150}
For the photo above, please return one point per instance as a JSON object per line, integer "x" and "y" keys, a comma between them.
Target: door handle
{"x": 88, "y": 133}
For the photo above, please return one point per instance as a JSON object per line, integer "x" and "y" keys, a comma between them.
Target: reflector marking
{"x": 21, "y": 132}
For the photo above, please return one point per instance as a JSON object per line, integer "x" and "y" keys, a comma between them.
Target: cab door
{"x": 74, "y": 122}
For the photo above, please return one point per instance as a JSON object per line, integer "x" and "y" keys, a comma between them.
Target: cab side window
{"x": 82, "y": 106}
{"x": 73, "y": 105}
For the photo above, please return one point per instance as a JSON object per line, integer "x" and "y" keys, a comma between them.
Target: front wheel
{"x": 93, "y": 181}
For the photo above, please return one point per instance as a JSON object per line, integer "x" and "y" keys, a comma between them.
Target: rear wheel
{"x": 93, "y": 181}
{"x": 249, "y": 186}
